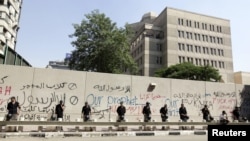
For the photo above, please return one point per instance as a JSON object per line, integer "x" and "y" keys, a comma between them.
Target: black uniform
{"x": 121, "y": 110}
{"x": 237, "y": 116}
{"x": 164, "y": 112}
{"x": 59, "y": 111}
{"x": 12, "y": 110}
{"x": 183, "y": 114}
{"x": 147, "y": 113}
{"x": 206, "y": 114}
{"x": 86, "y": 110}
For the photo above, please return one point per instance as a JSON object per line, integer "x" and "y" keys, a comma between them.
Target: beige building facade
{"x": 9, "y": 23}
{"x": 175, "y": 36}
{"x": 242, "y": 77}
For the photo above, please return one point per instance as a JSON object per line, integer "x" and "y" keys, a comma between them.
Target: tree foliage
{"x": 189, "y": 71}
{"x": 101, "y": 46}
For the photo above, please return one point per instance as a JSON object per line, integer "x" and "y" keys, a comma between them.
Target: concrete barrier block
{"x": 93, "y": 128}
{"x": 165, "y": 127}
{"x": 154, "y": 128}
{"x": 180, "y": 127}
{"x": 204, "y": 127}
{"x": 20, "y": 128}
{"x": 59, "y": 128}
{"x": 109, "y": 128}
{"x": 122, "y": 128}
{"x": 192, "y": 127}
{"x": 89, "y": 128}
{"x": 2, "y": 128}
{"x": 40, "y": 128}
{"x": 77, "y": 128}
{"x": 140, "y": 128}
{"x": 50, "y": 129}
{"x": 10, "y": 129}
{"x": 147, "y": 128}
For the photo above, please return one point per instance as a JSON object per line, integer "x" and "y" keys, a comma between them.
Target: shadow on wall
{"x": 245, "y": 101}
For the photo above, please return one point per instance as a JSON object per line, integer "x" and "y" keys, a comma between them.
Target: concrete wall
{"x": 39, "y": 90}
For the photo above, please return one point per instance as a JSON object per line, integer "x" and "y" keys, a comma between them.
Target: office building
{"x": 10, "y": 11}
{"x": 176, "y": 36}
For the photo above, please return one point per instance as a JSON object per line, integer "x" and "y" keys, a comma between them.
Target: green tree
{"x": 189, "y": 71}
{"x": 101, "y": 46}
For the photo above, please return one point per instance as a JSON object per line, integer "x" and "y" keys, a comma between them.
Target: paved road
{"x": 142, "y": 138}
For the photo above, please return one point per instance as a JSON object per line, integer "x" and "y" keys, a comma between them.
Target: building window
{"x": 212, "y": 63}
{"x": 212, "y": 51}
{"x": 206, "y": 38}
{"x": 180, "y": 59}
{"x": 191, "y": 48}
{"x": 204, "y": 50}
{"x": 188, "y": 47}
{"x": 214, "y": 41}
{"x": 204, "y": 62}
{"x": 203, "y": 37}
{"x": 220, "y": 64}
{"x": 187, "y": 33}
{"x": 222, "y": 53}
{"x": 211, "y": 39}
{"x": 179, "y": 45}
{"x": 179, "y": 21}
{"x": 159, "y": 60}
{"x": 159, "y": 47}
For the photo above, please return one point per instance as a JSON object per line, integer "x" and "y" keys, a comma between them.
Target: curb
{"x": 101, "y": 134}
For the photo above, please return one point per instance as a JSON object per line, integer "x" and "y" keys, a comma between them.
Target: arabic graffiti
{"x": 100, "y": 113}
{"x": 2, "y": 79}
{"x": 109, "y": 88}
{"x": 44, "y": 104}
{"x": 70, "y": 86}
{"x": 6, "y": 90}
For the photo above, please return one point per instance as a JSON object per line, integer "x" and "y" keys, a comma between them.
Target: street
{"x": 137, "y": 138}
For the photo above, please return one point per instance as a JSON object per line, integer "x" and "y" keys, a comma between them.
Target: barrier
{"x": 55, "y": 126}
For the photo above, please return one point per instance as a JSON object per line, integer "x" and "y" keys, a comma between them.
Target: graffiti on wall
{"x": 35, "y": 106}
{"x": 38, "y": 100}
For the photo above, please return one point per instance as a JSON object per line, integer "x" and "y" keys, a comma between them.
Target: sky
{"x": 45, "y": 25}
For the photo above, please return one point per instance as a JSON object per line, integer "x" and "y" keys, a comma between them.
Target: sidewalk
{"x": 71, "y": 131}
